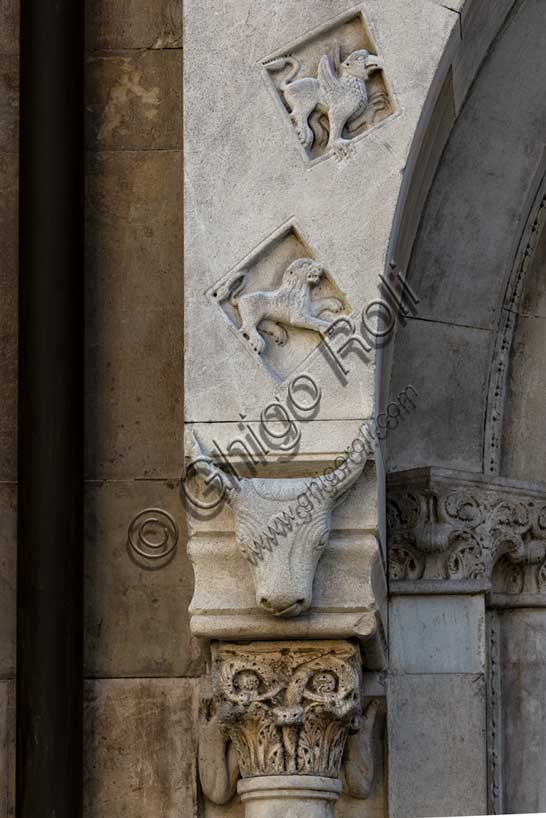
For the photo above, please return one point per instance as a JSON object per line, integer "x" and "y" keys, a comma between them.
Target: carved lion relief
{"x": 279, "y": 300}
{"x": 331, "y": 84}
{"x": 290, "y": 305}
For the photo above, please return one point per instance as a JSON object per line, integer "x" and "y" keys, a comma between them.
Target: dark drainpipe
{"x": 50, "y": 413}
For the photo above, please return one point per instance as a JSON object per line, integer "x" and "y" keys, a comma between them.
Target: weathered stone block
{"x": 525, "y": 420}
{"x": 457, "y": 255}
{"x": 437, "y": 634}
{"x": 244, "y": 165}
{"x": 9, "y": 103}
{"x": 8, "y": 562}
{"x": 7, "y": 749}
{"x": 136, "y": 606}
{"x": 422, "y": 169}
{"x": 440, "y": 361}
{"x": 139, "y": 749}
{"x": 134, "y": 101}
{"x": 9, "y": 27}
{"x": 134, "y": 308}
{"x": 523, "y": 652}
{"x": 533, "y": 299}
{"x": 115, "y": 24}
{"x": 481, "y": 20}
{"x": 8, "y": 314}
{"x": 437, "y": 745}
{"x": 316, "y": 442}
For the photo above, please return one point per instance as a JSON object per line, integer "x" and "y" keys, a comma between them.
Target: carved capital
{"x": 454, "y": 531}
{"x": 288, "y": 707}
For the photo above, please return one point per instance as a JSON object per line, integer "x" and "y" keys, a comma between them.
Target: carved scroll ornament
{"x": 445, "y": 526}
{"x": 286, "y": 708}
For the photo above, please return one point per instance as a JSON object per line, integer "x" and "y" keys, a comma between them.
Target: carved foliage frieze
{"x": 446, "y": 527}
{"x": 288, "y": 707}
{"x": 331, "y": 86}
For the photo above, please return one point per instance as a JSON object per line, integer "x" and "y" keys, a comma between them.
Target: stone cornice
{"x": 458, "y": 532}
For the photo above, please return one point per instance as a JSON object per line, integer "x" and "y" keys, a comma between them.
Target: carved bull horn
{"x": 217, "y": 759}
{"x": 342, "y": 478}
{"x": 202, "y": 464}
{"x": 282, "y": 525}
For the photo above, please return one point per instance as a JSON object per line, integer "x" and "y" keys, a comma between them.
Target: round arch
{"x": 465, "y": 351}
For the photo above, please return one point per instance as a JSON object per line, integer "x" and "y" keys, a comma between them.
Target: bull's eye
{"x": 246, "y": 555}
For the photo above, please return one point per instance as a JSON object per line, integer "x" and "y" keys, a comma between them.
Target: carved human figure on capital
{"x": 291, "y": 304}
{"x": 303, "y": 715}
{"x": 283, "y": 564}
{"x": 339, "y": 92}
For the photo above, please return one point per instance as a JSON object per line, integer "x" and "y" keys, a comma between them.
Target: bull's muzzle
{"x": 284, "y": 605}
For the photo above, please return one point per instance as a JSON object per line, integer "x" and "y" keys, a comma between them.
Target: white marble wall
{"x": 436, "y": 706}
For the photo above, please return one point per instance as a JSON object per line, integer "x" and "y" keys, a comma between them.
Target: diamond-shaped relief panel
{"x": 278, "y": 300}
{"x": 331, "y": 86}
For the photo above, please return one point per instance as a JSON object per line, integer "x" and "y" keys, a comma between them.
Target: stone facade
{"x": 315, "y": 552}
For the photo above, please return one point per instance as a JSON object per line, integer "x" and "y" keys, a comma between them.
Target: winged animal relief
{"x": 339, "y": 93}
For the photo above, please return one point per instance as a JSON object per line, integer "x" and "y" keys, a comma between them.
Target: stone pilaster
{"x": 458, "y": 544}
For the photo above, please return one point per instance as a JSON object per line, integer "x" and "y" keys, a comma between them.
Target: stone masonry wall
{"x": 140, "y": 667}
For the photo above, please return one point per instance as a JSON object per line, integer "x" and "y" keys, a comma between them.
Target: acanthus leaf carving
{"x": 288, "y": 707}
{"x": 541, "y": 578}
{"x": 405, "y": 562}
{"x": 450, "y": 526}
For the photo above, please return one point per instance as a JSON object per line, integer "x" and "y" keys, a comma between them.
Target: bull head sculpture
{"x": 282, "y": 527}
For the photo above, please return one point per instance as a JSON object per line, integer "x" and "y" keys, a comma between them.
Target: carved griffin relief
{"x": 268, "y": 312}
{"x": 339, "y": 93}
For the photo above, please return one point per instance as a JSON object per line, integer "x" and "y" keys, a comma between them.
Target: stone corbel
{"x": 270, "y": 566}
{"x": 452, "y": 532}
{"x": 286, "y": 726}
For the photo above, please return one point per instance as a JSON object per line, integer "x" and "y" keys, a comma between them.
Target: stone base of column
{"x": 289, "y": 796}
